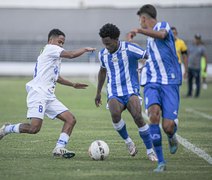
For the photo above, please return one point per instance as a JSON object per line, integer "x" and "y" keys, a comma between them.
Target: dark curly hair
{"x": 109, "y": 30}
{"x": 55, "y": 32}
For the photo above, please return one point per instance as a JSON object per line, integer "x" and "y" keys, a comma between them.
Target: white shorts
{"x": 38, "y": 106}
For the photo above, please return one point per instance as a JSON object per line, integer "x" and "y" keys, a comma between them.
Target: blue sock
{"x": 157, "y": 141}
{"x": 120, "y": 127}
{"x": 145, "y": 135}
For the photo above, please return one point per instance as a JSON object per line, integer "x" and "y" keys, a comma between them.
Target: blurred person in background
{"x": 196, "y": 52}
{"x": 181, "y": 50}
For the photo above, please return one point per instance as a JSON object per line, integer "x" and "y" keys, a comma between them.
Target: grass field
{"x": 24, "y": 157}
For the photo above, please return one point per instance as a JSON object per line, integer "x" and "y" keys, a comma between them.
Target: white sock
{"x": 128, "y": 140}
{"x": 12, "y": 128}
{"x": 63, "y": 140}
{"x": 119, "y": 125}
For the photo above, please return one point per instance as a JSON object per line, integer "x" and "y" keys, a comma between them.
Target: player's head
{"x": 146, "y": 13}
{"x": 56, "y": 37}
{"x": 174, "y": 31}
{"x": 110, "y": 37}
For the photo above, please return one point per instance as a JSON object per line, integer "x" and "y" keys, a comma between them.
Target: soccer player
{"x": 181, "y": 50}
{"x": 41, "y": 99}
{"x": 161, "y": 77}
{"x": 119, "y": 61}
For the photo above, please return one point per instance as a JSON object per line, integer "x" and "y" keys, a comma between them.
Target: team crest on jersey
{"x": 115, "y": 59}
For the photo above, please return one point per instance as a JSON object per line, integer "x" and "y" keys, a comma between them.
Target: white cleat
{"x": 2, "y": 131}
{"x": 152, "y": 156}
{"x": 131, "y": 148}
{"x": 63, "y": 152}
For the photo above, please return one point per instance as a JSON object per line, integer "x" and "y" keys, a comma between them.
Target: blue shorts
{"x": 125, "y": 99}
{"x": 166, "y": 96}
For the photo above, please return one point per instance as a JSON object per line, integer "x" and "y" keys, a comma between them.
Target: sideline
{"x": 199, "y": 113}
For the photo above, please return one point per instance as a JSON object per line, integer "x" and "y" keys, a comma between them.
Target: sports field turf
{"x": 28, "y": 157}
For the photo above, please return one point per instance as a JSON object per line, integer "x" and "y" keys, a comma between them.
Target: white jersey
{"x": 46, "y": 71}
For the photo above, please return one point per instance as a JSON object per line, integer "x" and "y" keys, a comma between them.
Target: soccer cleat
{"x": 2, "y": 130}
{"x": 152, "y": 156}
{"x": 173, "y": 144}
{"x": 62, "y": 152}
{"x": 132, "y": 148}
{"x": 161, "y": 167}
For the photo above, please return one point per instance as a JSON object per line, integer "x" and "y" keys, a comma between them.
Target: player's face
{"x": 143, "y": 20}
{"x": 57, "y": 40}
{"x": 111, "y": 45}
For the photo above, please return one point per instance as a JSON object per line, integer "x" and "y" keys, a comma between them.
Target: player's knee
{"x": 72, "y": 121}
{"x": 168, "y": 127}
{"x": 154, "y": 117}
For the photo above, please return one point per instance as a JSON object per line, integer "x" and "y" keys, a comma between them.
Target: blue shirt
{"x": 121, "y": 66}
{"x": 162, "y": 66}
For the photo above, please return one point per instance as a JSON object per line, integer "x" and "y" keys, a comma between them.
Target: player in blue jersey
{"x": 119, "y": 62}
{"x": 161, "y": 77}
{"x": 41, "y": 99}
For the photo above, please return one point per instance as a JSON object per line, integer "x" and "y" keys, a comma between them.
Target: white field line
{"x": 199, "y": 113}
{"x": 199, "y": 152}
{"x": 184, "y": 142}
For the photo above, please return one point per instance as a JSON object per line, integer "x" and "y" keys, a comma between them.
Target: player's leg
{"x": 134, "y": 107}
{"x": 116, "y": 108}
{"x": 152, "y": 104}
{"x": 170, "y": 101}
{"x": 69, "y": 123}
{"x": 31, "y": 128}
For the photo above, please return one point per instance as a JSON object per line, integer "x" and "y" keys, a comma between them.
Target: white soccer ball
{"x": 98, "y": 150}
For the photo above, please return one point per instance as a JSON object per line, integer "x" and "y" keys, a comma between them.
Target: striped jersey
{"x": 162, "y": 65}
{"x": 121, "y": 66}
{"x": 46, "y": 71}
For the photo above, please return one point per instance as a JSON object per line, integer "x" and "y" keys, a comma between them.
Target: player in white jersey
{"x": 41, "y": 99}
{"x": 161, "y": 78}
{"x": 119, "y": 61}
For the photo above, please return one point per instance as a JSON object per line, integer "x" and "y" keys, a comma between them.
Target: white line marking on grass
{"x": 199, "y": 152}
{"x": 184, "y": 142}
{"x": 199, "y": 113}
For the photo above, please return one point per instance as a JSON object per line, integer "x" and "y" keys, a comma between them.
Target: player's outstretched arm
{"x": 76, "y": 53}
{"x": 66, "y": 82}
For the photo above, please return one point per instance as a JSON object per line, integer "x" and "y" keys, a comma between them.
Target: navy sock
{"x": 120, "y": 127}
{"x": 157, "y": 141}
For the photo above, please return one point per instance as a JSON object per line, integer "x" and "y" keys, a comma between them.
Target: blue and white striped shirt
{"x": 162, "y": 65}
{"x": 121, "y": 66}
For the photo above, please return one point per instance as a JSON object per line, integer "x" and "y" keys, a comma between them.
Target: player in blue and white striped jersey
{"x": 119, "y": 62}
{"x": 161, "y": 77}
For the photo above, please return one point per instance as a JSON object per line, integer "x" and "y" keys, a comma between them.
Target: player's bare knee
{"x": 168, "y": 128}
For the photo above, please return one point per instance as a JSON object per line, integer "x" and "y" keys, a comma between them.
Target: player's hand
{"x": 79, "y": 86}
{"x": 98, "y": 100}
{"x": 130, "y": 36}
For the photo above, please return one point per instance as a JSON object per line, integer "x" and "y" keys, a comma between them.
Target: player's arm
{"x": 101, "y": 80}
{"x": 66, "y": 82}
{"x": 76, "y": 53}
{"x": 149, "y": 32}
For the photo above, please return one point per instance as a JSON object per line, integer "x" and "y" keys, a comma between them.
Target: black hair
{"x": 109, "y": 30}
{"x": 149, "y": 10}
{"x": 173, "y": 28}
{"x": 55, "y": 32}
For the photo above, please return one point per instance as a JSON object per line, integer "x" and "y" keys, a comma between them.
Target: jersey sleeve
{"x": 137, "y": 51}
{"x": 54, "y": 51}
{"x": 100, "y": 56}
{"x": 183, "y": 47}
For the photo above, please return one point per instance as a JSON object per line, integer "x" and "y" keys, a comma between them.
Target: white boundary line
{"x": 199, "y": 113}
{"x": 184, "y": 142}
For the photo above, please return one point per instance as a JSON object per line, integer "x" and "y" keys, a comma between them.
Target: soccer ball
{"x": 98, "y": 150}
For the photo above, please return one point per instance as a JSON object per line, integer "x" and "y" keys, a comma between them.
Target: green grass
{"x": 24, "y": 157}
